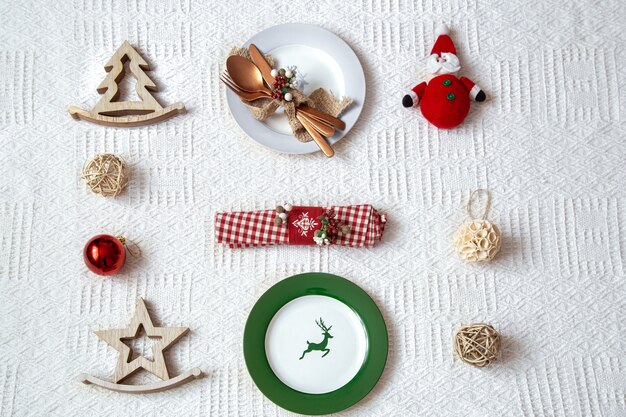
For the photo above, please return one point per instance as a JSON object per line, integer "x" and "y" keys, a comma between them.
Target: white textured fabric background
{"x": 548, "y": 143}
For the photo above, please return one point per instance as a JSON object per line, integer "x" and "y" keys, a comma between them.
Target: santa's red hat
{"x": 443, "y": 43}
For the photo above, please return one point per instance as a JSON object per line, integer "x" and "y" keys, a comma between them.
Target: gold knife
{"x": 259, "y": 60}
{"x": 319, "y": 139}
{"x": 323, "y": 128}
{"x": 338, "y": 123}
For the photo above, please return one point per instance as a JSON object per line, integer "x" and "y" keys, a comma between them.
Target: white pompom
{"x": 288, "y": 97}
{"x": 274, "y": 73}
{"x": 287, "y": 207}
{"x": 288, "y": 74}
{"x": 283, "y": 216}
{"x": 442, "y": 29}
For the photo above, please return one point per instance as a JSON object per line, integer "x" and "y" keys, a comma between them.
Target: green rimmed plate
{"x": 315, "y": 343}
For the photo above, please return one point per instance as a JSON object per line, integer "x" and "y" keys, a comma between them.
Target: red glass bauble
{"x": 104, "y": 254}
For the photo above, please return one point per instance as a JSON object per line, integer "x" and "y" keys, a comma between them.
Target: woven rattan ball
{"x": 106, "y": 174}
{"x": 477, "y": 241}
{"x": 477, "y": 344}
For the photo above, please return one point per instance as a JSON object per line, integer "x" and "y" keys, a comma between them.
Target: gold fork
{"x": 246, "y": 95}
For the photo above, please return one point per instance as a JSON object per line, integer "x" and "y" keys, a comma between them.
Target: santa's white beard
{"x": 447, "y": 63}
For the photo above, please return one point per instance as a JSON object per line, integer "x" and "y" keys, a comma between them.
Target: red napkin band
{"x": 299, "y": 226}
{"x": 302, "y": 224}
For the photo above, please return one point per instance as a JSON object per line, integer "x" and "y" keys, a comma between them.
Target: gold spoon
{"x": 246, "y": 75}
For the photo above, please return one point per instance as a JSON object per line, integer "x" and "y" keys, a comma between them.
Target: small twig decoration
{"x": 106, "y": 174}
{"x": 477, "y": 344}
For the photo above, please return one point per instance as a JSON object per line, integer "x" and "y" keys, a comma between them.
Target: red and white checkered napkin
{"x": 257, "y": 228}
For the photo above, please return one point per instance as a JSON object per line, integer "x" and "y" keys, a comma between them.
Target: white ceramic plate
{"x": 318, "y": 372}
{"x": 324, "y": 60}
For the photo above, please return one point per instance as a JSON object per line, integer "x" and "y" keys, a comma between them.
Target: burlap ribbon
{"x": 320, "y": 99}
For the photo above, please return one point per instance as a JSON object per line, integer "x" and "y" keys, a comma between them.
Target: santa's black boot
{"x": 407, "y": 101}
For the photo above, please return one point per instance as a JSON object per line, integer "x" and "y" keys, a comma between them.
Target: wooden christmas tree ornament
{"x": 126, "y": 366}
{"x": 110, "y": 112}
{"x": 477, "y": 240}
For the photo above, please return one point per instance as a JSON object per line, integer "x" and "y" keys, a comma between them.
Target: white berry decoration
{"x": 283, "y": 81}
{"x": 282, "y": 214}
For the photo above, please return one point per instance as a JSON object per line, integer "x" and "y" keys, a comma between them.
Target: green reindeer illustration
{"x": 321, "y": 345}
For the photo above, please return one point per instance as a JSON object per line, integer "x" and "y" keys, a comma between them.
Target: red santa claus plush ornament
{"x": 444, "y": 98}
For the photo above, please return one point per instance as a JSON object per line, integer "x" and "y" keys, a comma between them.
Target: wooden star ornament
{"x": 126, "y": 366}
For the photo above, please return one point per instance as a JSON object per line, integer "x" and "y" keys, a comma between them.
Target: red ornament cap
{"x": 105, "y": 254}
